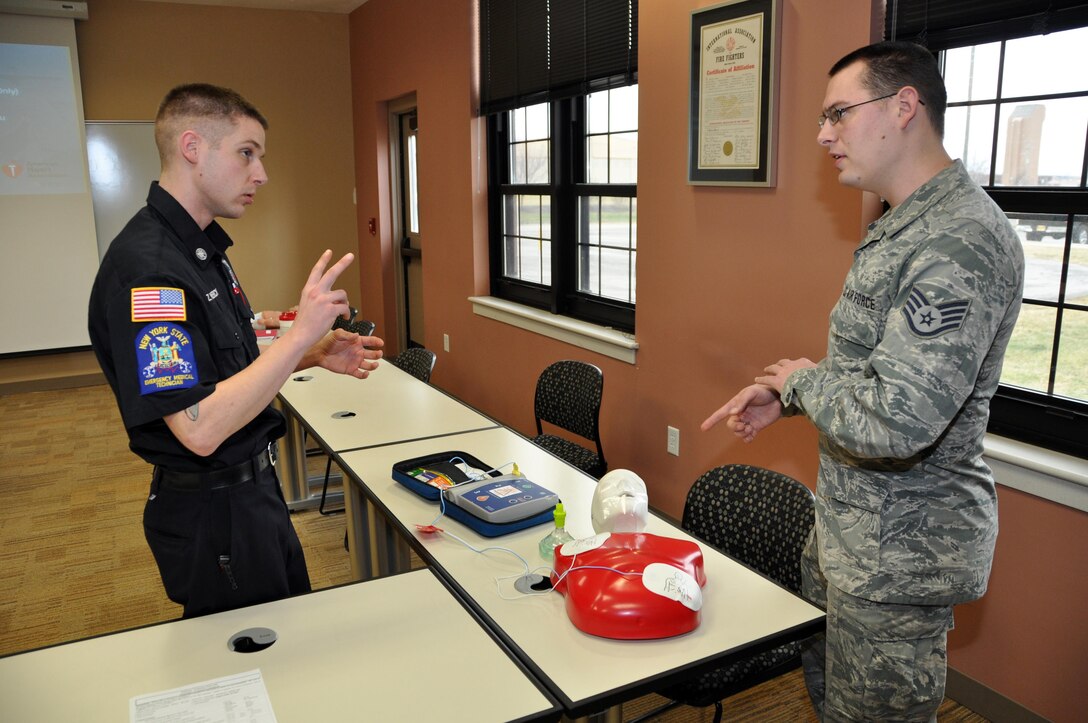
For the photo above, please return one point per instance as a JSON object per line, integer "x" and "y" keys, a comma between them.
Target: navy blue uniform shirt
{"x": 168, "y": 320}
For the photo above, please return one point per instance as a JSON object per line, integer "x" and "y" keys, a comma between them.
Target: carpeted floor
{"x": 73, "y": 561}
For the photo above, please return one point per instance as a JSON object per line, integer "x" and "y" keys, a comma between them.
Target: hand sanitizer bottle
{"x": 557, "y": 536}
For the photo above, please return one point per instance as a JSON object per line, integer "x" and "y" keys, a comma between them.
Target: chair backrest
{"x": 568, "y": 395}
{"x": 361, "y": 327}
{"x": 417, "y": 361}
{"x": 760, "y": 517}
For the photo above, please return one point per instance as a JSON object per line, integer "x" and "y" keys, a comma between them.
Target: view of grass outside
{"x": 1027, "y": 361}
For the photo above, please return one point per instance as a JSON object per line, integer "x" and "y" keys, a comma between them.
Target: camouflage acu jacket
{"x": 906, "y": 507}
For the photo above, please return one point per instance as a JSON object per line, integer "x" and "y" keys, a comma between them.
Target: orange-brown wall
{"x": 294, "y": 67}
{"x": 728, "y": 281}
{"x": 1027, "y": 638}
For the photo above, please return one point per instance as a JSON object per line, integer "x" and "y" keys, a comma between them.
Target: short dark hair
{"x": 892, "y": 64}
{"x": 200, "y": 103}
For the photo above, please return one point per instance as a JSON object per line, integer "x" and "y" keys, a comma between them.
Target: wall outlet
{"x": 673, "y": 444}
{"x": 445, "y": 342}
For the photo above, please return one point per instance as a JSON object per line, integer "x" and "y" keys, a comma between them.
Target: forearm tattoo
{"x": 193, "y": 412}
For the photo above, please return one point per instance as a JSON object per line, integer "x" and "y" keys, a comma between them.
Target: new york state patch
{"x": 165, "y": 358}
{"x": 927, "y": 320}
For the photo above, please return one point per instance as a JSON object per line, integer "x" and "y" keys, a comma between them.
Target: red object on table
{"x": 611, "y": 605}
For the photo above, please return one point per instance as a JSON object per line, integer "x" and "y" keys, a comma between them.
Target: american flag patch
{"x": 158, "y": 304}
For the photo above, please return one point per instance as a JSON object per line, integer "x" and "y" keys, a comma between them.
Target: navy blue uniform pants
{"x": 219, "y": 549}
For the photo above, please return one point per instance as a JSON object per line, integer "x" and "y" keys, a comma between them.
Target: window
{"x": 564, "y": 213}
{"x": 412, "y": 185}
{"x": 1018, "y": 118}
{"x": 559, "y": 89}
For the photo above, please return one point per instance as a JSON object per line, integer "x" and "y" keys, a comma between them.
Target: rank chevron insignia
{"x": 929, "y": 320}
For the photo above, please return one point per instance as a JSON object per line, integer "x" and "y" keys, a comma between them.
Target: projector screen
{"x": 50, "y": 253}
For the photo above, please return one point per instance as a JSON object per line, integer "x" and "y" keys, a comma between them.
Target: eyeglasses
{"x": 834, "y": 115}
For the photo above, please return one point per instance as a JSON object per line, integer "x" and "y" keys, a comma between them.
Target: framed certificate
{"x": 733, "y": 115}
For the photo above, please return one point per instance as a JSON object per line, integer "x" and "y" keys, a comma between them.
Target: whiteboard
{"x": 123, "y": 161}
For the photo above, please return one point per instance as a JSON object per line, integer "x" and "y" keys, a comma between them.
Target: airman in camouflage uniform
{"x": 906, "y": 510}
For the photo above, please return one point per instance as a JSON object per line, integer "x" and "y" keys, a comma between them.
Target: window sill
{"x": 601, "y": 339}
{"x": 1054, "y": 476}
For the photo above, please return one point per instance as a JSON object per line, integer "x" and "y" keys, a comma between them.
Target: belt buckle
{"x": 273, "y": 452}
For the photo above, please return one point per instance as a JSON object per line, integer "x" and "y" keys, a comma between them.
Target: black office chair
{"x": 763, "y": 519}
{"x": 568, "y": 395}
{"x": 362, "y": 327}
{"x": 417, "y": 361}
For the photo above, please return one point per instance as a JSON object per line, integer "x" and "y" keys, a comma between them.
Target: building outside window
{"x": 1018, "y": 119}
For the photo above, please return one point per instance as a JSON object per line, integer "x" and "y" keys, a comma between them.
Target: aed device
{"x": 508, "y": 498}
{"x": 474, "y": 494}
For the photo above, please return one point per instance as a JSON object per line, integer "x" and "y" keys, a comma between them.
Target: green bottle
{"x": 557, "y": 536}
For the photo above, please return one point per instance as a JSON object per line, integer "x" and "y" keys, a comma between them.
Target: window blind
{"x": 533, "y": 51}
{"x": 940, "y": 24}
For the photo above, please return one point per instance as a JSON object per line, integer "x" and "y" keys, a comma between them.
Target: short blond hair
{"x": 211, "y": 110}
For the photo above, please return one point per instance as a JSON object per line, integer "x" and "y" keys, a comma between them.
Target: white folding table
{"x": 341, "y": 412}
{"x": 400, "y": 648}
{"x": 742, "y": 612}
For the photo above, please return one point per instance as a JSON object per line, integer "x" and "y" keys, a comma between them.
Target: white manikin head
{"x": 620, "y": 503}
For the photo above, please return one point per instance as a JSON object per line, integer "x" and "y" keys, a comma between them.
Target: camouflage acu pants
{"x": 879, "y": 661}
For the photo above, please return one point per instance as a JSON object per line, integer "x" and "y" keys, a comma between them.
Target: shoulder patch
{"x": 165, "y": 358}
{"x": 158, "y": 303}
{"x": 929, "y": 320}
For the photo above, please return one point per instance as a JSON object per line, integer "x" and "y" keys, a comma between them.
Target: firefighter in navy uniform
{"x": 170, "y": 325}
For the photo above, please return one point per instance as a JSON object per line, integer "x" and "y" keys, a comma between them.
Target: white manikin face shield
{"x": 620, "y": 503}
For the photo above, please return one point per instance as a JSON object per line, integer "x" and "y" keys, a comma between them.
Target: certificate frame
{"x": 733, "y": 109}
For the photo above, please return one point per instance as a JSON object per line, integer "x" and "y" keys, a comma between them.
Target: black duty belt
{"x": 219, "y": 478}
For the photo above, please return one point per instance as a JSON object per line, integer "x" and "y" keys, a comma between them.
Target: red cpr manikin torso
{"x": 661, "y": 602}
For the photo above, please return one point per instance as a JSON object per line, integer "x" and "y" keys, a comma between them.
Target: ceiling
{"x": 320, "y": 6}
